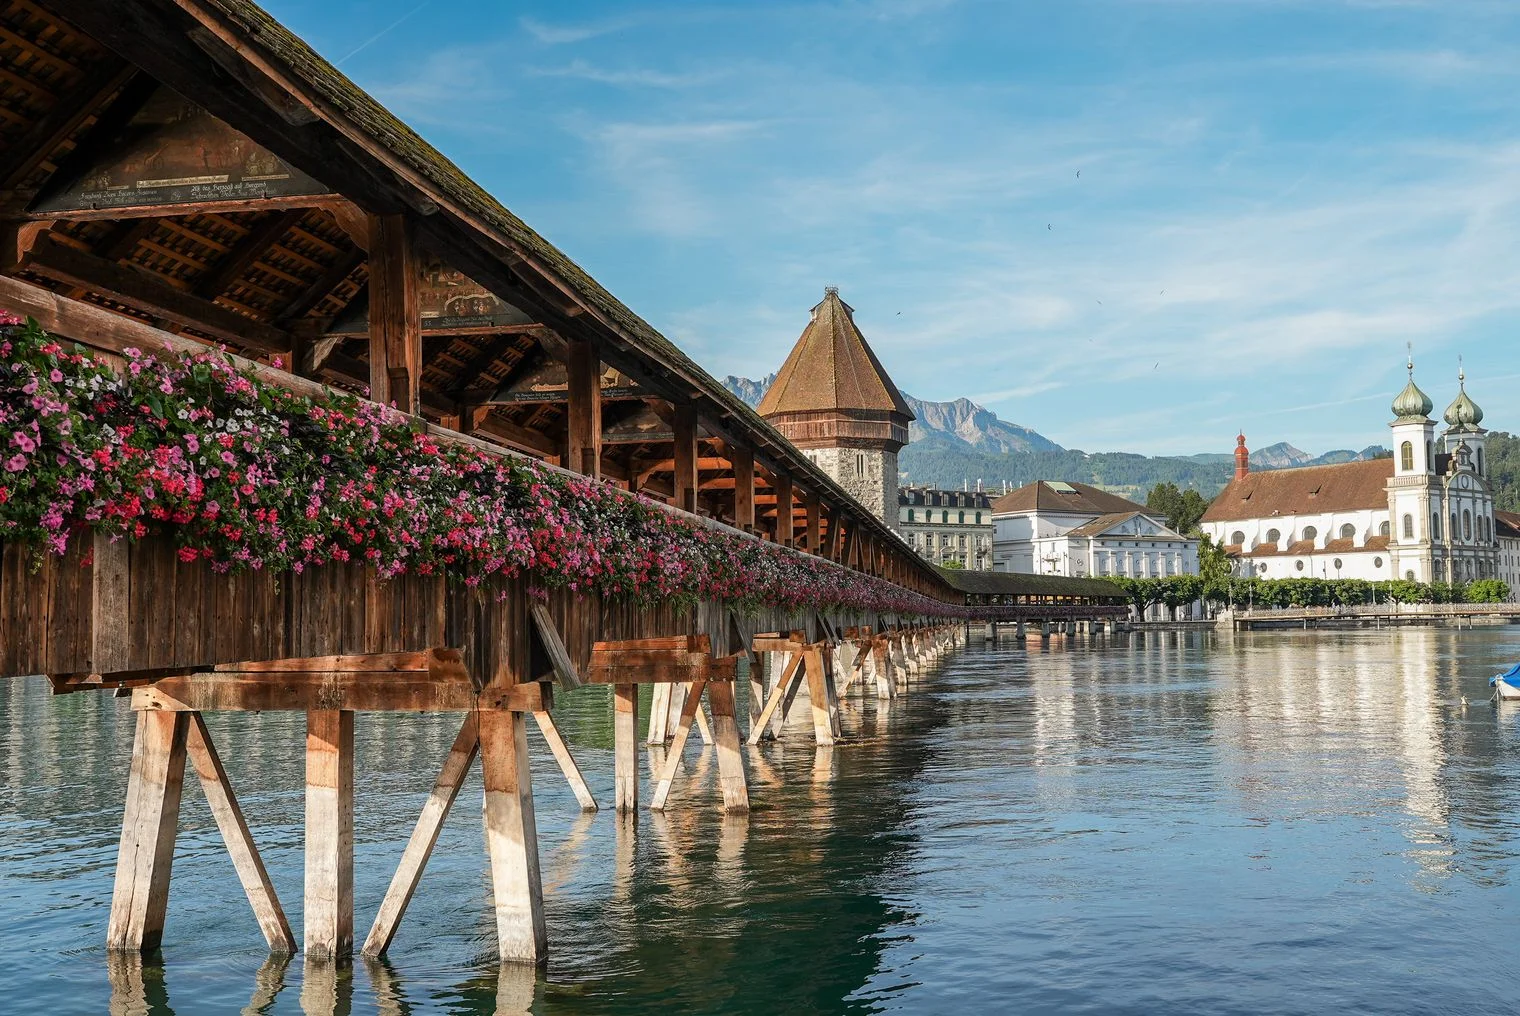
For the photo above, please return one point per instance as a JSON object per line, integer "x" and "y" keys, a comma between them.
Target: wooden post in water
{"x": 512, "y": 837}
{"x": 329, "y": 929}
{"x": 146, "y": 854}
{"x": 625, "y": 750}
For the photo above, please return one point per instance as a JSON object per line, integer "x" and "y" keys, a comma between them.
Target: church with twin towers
{"x": 1425, "y": 514}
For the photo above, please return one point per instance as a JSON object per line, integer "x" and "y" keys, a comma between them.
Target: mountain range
{"x": 958, "y": 443}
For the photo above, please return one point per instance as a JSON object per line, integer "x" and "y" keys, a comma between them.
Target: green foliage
{"x": 951, "y": 564}
{"x": 1488, "y": 591}
{"x": 1181, "y": 508}
{"x": 1503, "y": 461}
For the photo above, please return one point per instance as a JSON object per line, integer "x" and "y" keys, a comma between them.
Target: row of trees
{"x": 1180, "y": 590}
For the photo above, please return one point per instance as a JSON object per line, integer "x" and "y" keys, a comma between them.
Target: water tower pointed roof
{"x": 832, "y": 367}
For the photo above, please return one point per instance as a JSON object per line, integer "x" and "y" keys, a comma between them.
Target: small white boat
{"x": 1506, "y": 686}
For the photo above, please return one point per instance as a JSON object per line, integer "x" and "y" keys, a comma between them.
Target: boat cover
{"x": 1510, "y": 676}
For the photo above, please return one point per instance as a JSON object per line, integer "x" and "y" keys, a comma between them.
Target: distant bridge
{"x": 1374, "y": 615}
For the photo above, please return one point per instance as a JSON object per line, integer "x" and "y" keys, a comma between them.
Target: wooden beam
{"x": 625, "y": 748}
{"x": 234, "y": 828}
{"x": 684, "y": 464}
{"x": 361, "y": 691}
{"x": 26, "y": 153}
{"x": 511, "y": 434}
{"x": 690, "y": 707}
{"x": 554, "y": 647}
{"x": 512, "y": 838}
{"x": 784, "y": 688}
{"x": 584, "y": 412}
{"x": 151, "y": 294}
{"x": 340, "y": 269}
{"x": 561, "y": 751}
{"x": 329, "y": 833}
{"x": 145, "y": 856}
{"x": 814, "y": 522}
{"x": 245, "y": 252}
{"x": 424, "y": 837}
{"x": 395, "y": 314}
{"x": 743, "y": 459}
{"x": 731, "y": 779}
{"x": 784, "y": 528}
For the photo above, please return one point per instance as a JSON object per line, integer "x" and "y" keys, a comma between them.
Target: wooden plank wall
{"x": 57, "y": 614}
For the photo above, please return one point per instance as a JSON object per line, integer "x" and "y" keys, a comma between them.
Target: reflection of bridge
{"x": 277, "y": 275}
{"x": 1380, "y": 615}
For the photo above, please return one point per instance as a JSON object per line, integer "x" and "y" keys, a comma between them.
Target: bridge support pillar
{"x": 512, "y": 837}
{"x": 148, "y": 828}
{"x": 625, "y": 748}
{"x": 329, "y": 833}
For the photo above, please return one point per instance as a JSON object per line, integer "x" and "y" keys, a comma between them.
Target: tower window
{"x": 1408, "y": 527}
{"x": 860, "y": 465}
{"x": 1466, "y": 524}
{"x": 1406, "y": 457}
{"x": 1348, "y": 532}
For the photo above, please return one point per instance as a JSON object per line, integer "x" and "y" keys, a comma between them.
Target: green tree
{"x": 1488, "y": 591}
{"x": 1181, "y": 508}
{"x": 1215, "y": 570}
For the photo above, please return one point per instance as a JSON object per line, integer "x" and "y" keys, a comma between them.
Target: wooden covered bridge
{"x": 181, "y": 175}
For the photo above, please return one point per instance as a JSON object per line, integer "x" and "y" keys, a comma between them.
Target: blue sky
{"x": 1274, "y": 197}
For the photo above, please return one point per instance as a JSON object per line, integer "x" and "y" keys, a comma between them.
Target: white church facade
{"x": 1426, "y": 513}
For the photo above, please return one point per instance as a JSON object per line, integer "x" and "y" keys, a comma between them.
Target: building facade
{"x": 1424, "y": 514}
{"x": 1507, "y": 529}
{"x": 833, "y": 399}
{"x": 948, "y": 527}
{"x": 1074, "y": 529}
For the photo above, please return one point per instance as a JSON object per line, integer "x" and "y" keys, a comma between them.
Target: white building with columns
{"x": 1426, "y": 513}
{"x": 1057, "y": 528}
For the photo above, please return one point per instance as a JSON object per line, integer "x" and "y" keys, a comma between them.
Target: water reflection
{"x": 1239, "y": 823}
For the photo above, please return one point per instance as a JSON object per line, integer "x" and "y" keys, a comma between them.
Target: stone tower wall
{"x": 870, "y": 476}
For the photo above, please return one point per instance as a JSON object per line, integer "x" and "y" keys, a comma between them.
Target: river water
{"x": 1261, "y": 823}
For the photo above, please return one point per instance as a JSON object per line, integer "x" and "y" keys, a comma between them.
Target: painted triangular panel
{"x": 172, "y": 152}
{"x": 449, "y": 301}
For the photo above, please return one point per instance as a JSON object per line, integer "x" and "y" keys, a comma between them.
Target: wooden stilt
{"x": 818, "y": 696}
{"x": 829, "y": 677}
{"x": 702, "y": 726}
{"x": 625, "y": 752}
{"x": 659, "y": 714}
{"x": 756, "y": 687}
{"x": 881, "y": 662}
{"x": 720, "y": 695}
{"x": 512, "y": 837}
{"x": 787, "y": 680}
{"x": 561, "y": 751}
{"x": 148, "y": 828}
{"x": 690, "y": 707}
{"x": 424, "y": 836}
{"x": 245, "y": 856}
{"x": 329, "y": 833}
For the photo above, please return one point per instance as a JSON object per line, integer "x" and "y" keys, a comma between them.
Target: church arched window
{"x": 1273, "y": 535}
{"x": 1435, "y": 525}
{"x": 1466, "y": 524}
{"x": 1480, "y": 461}
{"x": 1430, "y": 458}
{"x": 1385, "y": 529}
{"x": 1310, "y": 532}
{"x": 963, "y": 518}
{"x": 1406, "y": 457}
{"x": 1348, "y": 532}
{"x": 1408, "y": 527}
{"x": 1238, "y": 538}
{"x": 910, "y": 514}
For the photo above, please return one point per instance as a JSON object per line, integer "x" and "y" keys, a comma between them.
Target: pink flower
{"x": 15, "y": 464}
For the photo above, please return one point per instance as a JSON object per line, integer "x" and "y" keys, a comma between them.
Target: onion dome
{"x": 1463, "y": 413}
{"x": 1411, "y": 403}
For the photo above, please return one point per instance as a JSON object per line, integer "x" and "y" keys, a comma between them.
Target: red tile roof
{"x": 1307, "y": 490}
{"x": 1083, "y": 499}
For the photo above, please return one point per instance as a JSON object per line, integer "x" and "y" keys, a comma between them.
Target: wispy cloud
{"x": 639, "y": 77}
{"x": 564, "y": 34}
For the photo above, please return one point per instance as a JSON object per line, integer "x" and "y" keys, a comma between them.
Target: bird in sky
{"x": 1079, "y": 174}
{"x": 1158, "y": 365}
{"x": 1047, "y": 225}
{"x": 899, "y": 313}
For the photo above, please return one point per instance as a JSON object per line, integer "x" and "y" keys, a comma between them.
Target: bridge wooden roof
{"x": 288, "y": 275}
